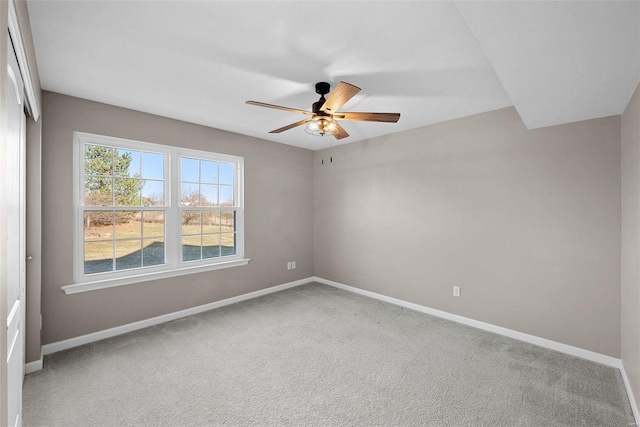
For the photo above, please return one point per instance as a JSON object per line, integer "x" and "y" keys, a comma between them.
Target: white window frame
{"x": 173, "y": 266}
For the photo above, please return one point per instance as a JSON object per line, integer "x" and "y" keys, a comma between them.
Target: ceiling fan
{"x": 324, "y": 113}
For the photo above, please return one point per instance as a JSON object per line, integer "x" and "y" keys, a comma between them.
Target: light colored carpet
{"x": 315, "y": 355}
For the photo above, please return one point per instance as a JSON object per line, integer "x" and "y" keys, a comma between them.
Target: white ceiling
{"x": 561, "y": 62}
{"x": 430, "y": 61}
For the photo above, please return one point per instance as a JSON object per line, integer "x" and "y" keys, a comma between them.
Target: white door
{"x": 14, "y": 176}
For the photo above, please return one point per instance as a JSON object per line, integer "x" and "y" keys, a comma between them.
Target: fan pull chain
{"x": 330, "y": 155}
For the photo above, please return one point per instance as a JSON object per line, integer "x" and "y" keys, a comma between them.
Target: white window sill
{"x": 110, "y": 283}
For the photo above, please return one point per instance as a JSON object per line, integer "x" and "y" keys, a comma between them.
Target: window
{"x": 124, "y": 208}
{"x": 146, "y": 209}
{"x": 207, "y": 209}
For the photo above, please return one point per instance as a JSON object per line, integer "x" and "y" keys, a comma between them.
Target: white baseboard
{"x": 532, "y": 339}
{"x": 632, "y": 400}
{"x": 130, "y": 327}
{"x": 34, "y": 366}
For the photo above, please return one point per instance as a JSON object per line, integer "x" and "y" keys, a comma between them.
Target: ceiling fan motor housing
{"x": 315, "y": 108}
{"x": 322, "y": 88}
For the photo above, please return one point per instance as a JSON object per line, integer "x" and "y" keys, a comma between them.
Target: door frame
{"x": 31, "y": 99}
{"x": 9, "y": 16}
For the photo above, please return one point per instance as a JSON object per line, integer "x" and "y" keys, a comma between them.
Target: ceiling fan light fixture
{"x": 320, "y": 126}
{"x": 324, "y": 112}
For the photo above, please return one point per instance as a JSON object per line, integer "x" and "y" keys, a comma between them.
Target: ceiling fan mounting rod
{"x": 322, "y": 88}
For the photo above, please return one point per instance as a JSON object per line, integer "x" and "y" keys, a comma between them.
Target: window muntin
{"x": 122, "y": 239}
{"x": 130, "y": 222}
{"x": 117, "y": 237}
{"x": 207, "y": 209}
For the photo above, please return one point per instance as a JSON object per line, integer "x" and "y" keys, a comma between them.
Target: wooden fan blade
{"x": 369, "y": 117}
{"x": 278, "y": 107}
{"x": 291, "y": 126}
{"x": 338, "y": 97}
{"x": 340, "y": 133}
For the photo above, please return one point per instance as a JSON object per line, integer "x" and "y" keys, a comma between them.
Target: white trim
{"x": 111, "y": 283}
{"x": 632, "y": 400}
{"x": 35, "y": 365}
{"x": 79, "y": 140}
{"x": 18, "y": 45}
{"x": 12, "y": 313}
{"x": 119, "y": 330}
{"x": 532, "y": 339}
{"x": 12, "y": 76}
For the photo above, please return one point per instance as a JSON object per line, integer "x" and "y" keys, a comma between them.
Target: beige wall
{"x": 526, "y": 222}
{"x": 278, "y": 219}
{"x": 631, "y": 243}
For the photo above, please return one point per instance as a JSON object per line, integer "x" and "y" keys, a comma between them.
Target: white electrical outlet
{"x": 293, "y": 265}
{"x": 289, "y": 266}
{"x": 456, "y": 291}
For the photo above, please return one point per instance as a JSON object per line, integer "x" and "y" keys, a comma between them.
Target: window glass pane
{"x": 228, "y": 242}
{"x": 190, "y": 222}
{"x": 128, "y": 254}
{"x": 98, "y": 191}
{"x": 189, "y": 170}
{"x": 210, "y": 245}
{"x": 190, "y": 195}
{"x": 152, "y": 252}
{"x": 228, "y": 221}
{"x": 208, "y": 172}
{"x": 210, "y": 222}
{"x": 190, "y": 248}
{"x": 226, "y": 195}
{"x": 98, "y": 160}
{"x": 126, "y": 191}
{"x": 152, "y": 193}
{"x": 208, "y": 195}
{"x": 226, "y": 173}
{"x": 153, "y": 225}
{"x": 128, "y": 225}
{"x": 98, "y": 257}
{"x": 127, "y": 163}
{"x": 98, "y": 225}
{"x": 152, "y": 165}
